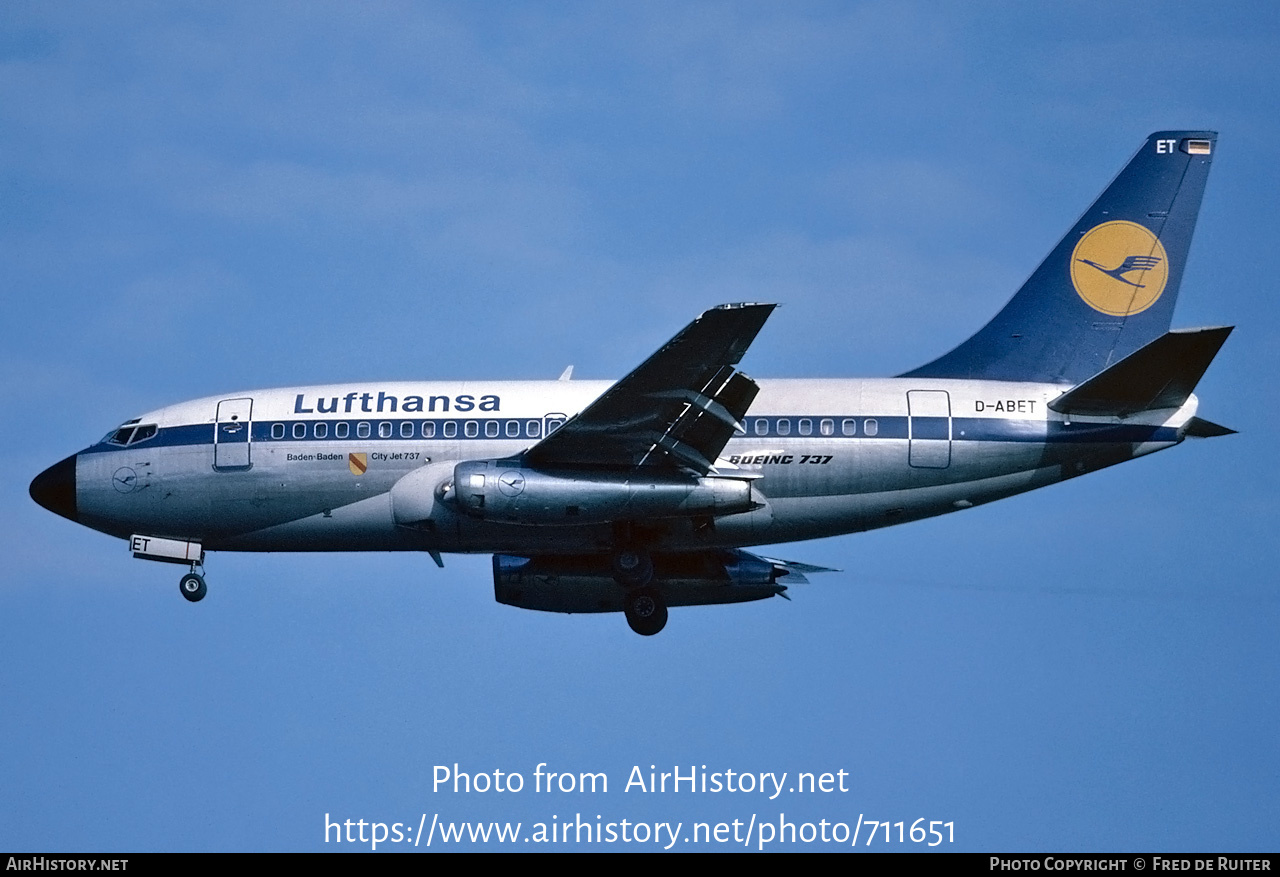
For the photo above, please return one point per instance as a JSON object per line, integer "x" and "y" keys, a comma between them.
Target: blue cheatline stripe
{"x": 821, "y": 427}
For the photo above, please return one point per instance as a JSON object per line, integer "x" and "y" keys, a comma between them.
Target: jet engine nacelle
{"x": 497, "y": 490}
{"x": 416, "y": 496}
{"x": 585, "y": 583}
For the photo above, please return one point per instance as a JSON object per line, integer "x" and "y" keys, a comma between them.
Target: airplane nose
{"x": 55, "y": 488}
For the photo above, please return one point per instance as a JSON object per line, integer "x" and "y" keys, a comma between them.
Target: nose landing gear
{"x": 192, "y": 586}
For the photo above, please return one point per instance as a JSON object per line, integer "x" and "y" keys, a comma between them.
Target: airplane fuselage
{"x": 315, "y": 468}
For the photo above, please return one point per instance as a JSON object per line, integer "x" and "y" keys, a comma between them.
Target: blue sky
{"x": 208, "y": 198}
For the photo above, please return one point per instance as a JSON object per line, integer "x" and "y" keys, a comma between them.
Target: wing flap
{"x": 707, "y": 428}
{"x": 677, "y": 410}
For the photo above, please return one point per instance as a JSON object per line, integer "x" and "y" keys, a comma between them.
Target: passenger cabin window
{"x": 827, "y": 426}
{"x": 784, "y": 426}
{"x": 870, "y": 427}
{"x": 491, "y": 429}
{"x": 533, "y": 428}
{"x": 513, "y": 429}
{"x": 806, "y": 426}
{"x": 406, "y": 429}
{"x": 762, "y": 426}
{"x": 362, "y": 429}
{"x": 322, "y": 430}
{"x": 299, "y": 430}
{"x": 849, "y": 426}
{"x": 342, "y": 430}
{"x": 384, "y": 430}
{"x": 277, "y": 430}
{"x": 428, "y": 429}
{"x": 450, "y": 428}
{"x": 471, "y": 428}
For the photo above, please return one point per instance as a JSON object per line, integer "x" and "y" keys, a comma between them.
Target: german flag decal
{"x": 357, "y": 463}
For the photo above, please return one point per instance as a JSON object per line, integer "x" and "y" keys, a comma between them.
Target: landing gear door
{"x": 231, "y": 434}
{"x": 929, "y": 429}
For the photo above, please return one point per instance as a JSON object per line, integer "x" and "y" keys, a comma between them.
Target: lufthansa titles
{"x": 371, "y": 403}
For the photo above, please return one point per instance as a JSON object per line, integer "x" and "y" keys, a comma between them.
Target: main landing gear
{"x": 646, "y": 611}
{"x": 632, "y": 567}
{"x": 643, "y": 605}
{"x": 192, "y": 585}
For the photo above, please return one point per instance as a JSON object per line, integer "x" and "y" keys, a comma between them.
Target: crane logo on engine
{"x": 511, "y": 483}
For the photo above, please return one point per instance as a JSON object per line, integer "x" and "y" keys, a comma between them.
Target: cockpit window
{"x": 122, "y": 435}
{"x": 128, "y": 434}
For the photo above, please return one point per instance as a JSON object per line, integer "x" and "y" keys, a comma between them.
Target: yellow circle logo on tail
{"x": 1119, "y": 268}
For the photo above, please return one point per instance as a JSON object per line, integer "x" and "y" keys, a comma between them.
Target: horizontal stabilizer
{"x": 1163, "y": 374}
{"x": 1198, "y": 427}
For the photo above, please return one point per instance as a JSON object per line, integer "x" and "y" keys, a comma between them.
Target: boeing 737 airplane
{"x": 643, "y": 494}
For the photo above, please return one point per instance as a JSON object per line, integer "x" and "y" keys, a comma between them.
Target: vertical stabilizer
{"x": 1109, "y": 287}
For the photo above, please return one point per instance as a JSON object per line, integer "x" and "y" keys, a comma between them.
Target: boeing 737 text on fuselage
{"x": 645, "y": 493}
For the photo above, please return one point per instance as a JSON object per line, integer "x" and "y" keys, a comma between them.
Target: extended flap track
{"x": 710, "y": 418}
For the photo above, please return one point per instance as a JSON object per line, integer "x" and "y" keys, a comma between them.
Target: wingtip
{"x": 743, "y": 305}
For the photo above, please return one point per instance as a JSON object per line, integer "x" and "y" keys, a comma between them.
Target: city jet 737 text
{"x": 641, "y": 494}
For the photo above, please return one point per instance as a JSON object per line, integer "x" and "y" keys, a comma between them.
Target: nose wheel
{"x": 192, "y": 586}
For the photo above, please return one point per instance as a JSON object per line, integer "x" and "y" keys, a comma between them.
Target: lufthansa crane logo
{"x": 511, "y": 483}
{"x": 125, "y": 480}
{"x": 1119, "y": 268}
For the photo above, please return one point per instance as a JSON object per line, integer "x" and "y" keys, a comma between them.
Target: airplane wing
{"x": 677, "y": 410}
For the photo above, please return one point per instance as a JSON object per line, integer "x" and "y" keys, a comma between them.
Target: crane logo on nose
{"x": 125, "y": 479}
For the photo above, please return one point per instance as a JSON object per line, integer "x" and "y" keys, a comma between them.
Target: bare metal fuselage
{"x": 826, "y": 457}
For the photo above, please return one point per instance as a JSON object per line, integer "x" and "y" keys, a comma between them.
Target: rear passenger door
{"x": 929, "y": 429}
